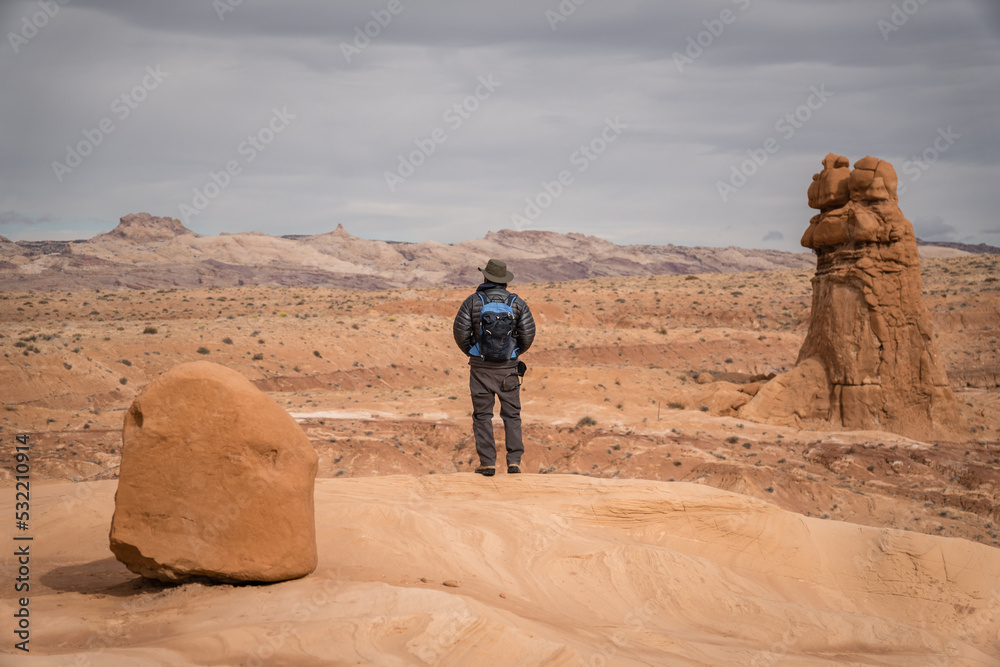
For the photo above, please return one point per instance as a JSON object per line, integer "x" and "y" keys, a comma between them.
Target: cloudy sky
{"x": 685, "y": 122}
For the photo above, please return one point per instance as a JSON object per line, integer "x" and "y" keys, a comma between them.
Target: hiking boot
{"x": 513, "y": 469}
{"x": 486, "y": 471}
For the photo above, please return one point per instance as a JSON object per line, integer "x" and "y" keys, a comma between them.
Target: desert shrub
{"x": 150, "y": 330}
{"x": 733, "y": 439}
{"x": 317, "y": 354}
{"x": 258, "y": 357}
{"x": 674, "y": 405}
{"x": 125, "y": 362}
{"x": 586, "y": 421}
{"x": 122, "y": 380}
{"x": 203, "y": 350}
{"x": 227, "y": 340}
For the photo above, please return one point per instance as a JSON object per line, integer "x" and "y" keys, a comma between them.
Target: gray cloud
{"x": 17, "y": 218}
{"x": 656, "y": 183}
{"x": 933, "y": 228}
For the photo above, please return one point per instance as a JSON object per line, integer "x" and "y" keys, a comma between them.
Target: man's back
{"x": 489, "y": 380}
{"x": 466, "y": 326}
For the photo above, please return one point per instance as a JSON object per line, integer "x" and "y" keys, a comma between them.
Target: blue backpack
{"x": 496, "y": 340}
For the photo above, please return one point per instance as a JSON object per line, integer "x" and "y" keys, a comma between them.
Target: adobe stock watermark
{"x": 639, "y": 617}
{"x": 248, "y": 149}
{"x": 363, "y": 35}
{"x": 581, "y": 158}
{"x": 454, "y": 117}
{"x": 30, "y": 25}
{"x": 303, "y": 612}
{"x": 562, "y": 12}
{"x": 900, "y": 14}
{"x": 918, "y": 165}
{"x": 786, "y": 127}
{"x": 443, "y": 633}
{"x": 714, "y": 28}
{"x": 223, "y": 7}
{"x": 122, "y": 107}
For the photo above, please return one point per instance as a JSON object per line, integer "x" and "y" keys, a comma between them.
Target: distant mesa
{"x": 146, "y": 228}
{"x": 4, "y": 239}
{"x": 148, "y": 252}
{"x": 970, "y": 248}
{"x": 870, "y": 360}
{"x": 216, "y": 481}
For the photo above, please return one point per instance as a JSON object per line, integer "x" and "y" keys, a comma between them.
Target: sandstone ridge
{"x": 148, "y": 252}
{"x": 539, "y": 570}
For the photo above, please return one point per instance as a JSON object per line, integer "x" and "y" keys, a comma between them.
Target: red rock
{"x": 216, "y": 480}
{"x": 870, "y": 360}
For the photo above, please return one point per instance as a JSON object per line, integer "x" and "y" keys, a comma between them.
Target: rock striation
{"x": 870, "y": 360}
{"x": 216, "y": 480}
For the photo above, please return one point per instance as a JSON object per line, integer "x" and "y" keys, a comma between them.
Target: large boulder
{"x": 216, "y": 480}
{"x": 870, "y": 360}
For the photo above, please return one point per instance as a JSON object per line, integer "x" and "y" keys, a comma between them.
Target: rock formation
{"x": 146, "y": 228}
{"x": 148, "y": 252}
{"x": 216, "y": 480}
{"x": 870, "y": 360}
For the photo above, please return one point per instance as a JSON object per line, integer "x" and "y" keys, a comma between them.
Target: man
{"x": 493, "y": 362}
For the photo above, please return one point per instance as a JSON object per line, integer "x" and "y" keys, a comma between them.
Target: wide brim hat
{"x": 496, "y": 272}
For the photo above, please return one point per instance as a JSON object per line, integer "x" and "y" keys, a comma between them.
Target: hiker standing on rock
{"x": 494, "y": 327}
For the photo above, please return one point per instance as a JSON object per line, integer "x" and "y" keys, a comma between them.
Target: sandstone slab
{"x": 216, "y": 480}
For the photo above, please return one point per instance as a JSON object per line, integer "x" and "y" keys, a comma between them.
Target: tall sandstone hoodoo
{"x": 870, "y": 360}
{"x": 216, "y": 480}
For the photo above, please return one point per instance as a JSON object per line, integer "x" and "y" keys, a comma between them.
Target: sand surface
{"x": 544, "y": 570}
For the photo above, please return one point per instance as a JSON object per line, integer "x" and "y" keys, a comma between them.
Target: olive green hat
{"x": 496, "y": 272}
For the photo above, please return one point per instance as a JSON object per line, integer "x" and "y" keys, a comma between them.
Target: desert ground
{"x": 654, "y": 527}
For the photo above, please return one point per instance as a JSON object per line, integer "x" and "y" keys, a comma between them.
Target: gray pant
{"x": 485, "y": 383}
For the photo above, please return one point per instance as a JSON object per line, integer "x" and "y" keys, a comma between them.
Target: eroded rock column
{"x": 870, "y": 360}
